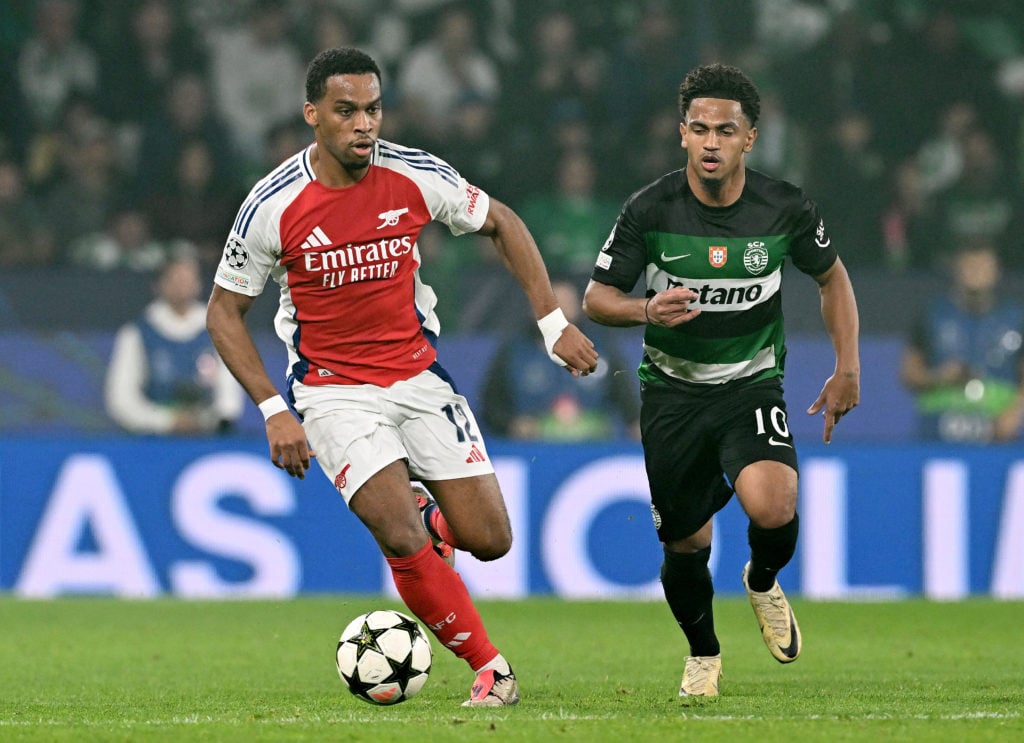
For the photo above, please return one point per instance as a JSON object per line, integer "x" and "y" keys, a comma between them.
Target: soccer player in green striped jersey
{"x": 711, "y": 240}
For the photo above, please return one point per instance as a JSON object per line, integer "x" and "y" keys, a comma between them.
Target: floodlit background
{"x": 130, "y": 129}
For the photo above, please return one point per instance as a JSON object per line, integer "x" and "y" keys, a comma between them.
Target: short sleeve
{"x": 623, "y": 256}
{"x": 812, "y": 250}
{"x": 248, "y": 258}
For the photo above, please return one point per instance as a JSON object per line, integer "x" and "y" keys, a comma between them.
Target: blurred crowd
{"x": 129, "y": 129}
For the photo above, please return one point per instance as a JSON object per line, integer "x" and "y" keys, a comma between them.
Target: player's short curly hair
{"x": 720, "y": 81}
{"x": 339, "y": 61}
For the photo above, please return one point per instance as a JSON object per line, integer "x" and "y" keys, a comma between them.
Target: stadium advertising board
{"x": 202, "y": 519}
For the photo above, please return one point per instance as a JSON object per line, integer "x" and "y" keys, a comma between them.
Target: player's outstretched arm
{"x": 519, "y": 252}
{"x": 841, "y": 392}
{"x": 225, "y": 321}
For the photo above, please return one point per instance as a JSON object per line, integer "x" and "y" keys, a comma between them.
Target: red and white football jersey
{"x": 353, "y": 309}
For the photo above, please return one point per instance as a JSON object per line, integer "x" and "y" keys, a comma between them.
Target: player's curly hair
{"x": 720, "y": 81}
{"x": 339, "y": 61}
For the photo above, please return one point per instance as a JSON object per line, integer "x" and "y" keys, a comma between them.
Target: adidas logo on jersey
{"x": 475, "y": 455}
{"x": 390, "y": 218}
{"x": 317, "y": 238}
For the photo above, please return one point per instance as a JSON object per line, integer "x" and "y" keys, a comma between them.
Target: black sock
{"x": 770, "y": 551}
{"x": 689, "y": 591}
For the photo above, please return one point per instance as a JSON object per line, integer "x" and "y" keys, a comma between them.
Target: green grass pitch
{"x": 92, "y": 669}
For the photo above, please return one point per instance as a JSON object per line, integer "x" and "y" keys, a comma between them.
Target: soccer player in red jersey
{"x": 336, "y": 227}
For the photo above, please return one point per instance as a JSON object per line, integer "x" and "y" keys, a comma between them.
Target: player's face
{"x": 346, "y": 121}
{"x": 716, "y": 136}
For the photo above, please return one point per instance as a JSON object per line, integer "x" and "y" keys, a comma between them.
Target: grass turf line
{"x": 167, "y": 670}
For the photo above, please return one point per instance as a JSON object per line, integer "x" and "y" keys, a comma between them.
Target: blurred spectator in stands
{"x": 469, "y": 268}
{"x": 15, "y": 127}
{"x": 782, "y": 144}
{"x": 849, "y": 177}
{"x": 90, "y": 185}
{"x": 1012, "y": 84}
{"x": 535, "y": 154}
{"x": 54, "y": 62}
{"x": 445, "y": 68}
{"x": 152, "y": 49}
{"x": 126, "y": 244}
{"x": 561, "y": 79}
{"x": 26, "y": 240}
{"x": 326, "y": 25}
{"x": 557, "y": 68}
{"x": 256, "y": 69}
{"x": 523, "y": 399}
{"x": 660, "y": 150}
{"x": 195, "y": 205}
{"x": 282, "y": 141}
{"x": 165, "y": 376}
{"x": 940, "y": 153}
{"x": 208, "y": 18}
{"x": 152, "y": 46}
{"x": 784, "y": 29}
{"x": 46, "y": 148}
{"x": 656, "y": 43}
{"x": 980, "y": 204}
{"x": 911, "y": 225}
{"x": 937, "y": 63}
{"x": 472, "y": 141}
{"x": 186, "y": 115}
{"x": 964, "y": 360}
{"x": 570, "y": 221}
{"x": 845, "y": 70}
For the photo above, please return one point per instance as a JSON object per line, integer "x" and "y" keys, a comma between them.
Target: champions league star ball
{"x": 235, "y": 254}
{"x": 384, "y": 657}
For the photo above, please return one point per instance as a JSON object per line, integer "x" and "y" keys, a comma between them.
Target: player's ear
{"x": 309, "y": 113}
{"x": 751, "y": 136}
{"x": 682, "y": 134}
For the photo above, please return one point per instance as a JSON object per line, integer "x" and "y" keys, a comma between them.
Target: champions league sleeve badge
{"x": 235, "y": 254}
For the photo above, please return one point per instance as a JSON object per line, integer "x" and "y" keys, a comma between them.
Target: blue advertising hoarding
{"x": 213, "y": 518}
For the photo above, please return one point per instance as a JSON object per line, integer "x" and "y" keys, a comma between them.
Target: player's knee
{"x": 491, "y": 552}
{"x": 494, "y": 545}
{"x": 402, "y": 543}
{"x": 772, "y": 515}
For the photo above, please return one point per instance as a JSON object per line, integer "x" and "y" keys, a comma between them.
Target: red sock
{"x": 437, "y": 596}
{"x": 440, "y": 526}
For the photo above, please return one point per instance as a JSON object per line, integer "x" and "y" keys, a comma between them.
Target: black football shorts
{"x": 697, "y": 441}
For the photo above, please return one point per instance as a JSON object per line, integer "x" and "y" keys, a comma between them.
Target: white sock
{"x": 498, "y": 663}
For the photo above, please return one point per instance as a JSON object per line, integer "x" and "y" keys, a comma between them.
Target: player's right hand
{"x": 289, "y": 450}
{"x": 671, "y": 307}
{"x": 576, "y": 350}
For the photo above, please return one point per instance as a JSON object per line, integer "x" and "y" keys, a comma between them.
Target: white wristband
{"x": 272, "y": 406}
{"x": 551, "y": 327}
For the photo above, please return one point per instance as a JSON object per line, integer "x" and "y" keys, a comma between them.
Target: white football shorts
{"x": 357, "y": 430}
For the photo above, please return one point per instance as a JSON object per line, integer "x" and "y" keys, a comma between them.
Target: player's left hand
{"x": 839, "y": 396}
{"x": 576, "y": 350}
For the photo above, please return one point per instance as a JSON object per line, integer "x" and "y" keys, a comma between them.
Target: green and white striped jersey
{"x": 732, "y": 257}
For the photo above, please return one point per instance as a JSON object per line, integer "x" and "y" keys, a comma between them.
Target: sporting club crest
{"x": 755, "y": 257}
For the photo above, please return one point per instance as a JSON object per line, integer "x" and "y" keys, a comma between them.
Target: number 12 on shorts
{"x": 459, "y": 419}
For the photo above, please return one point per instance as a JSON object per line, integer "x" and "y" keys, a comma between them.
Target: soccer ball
{"x": 384, "y": 657}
